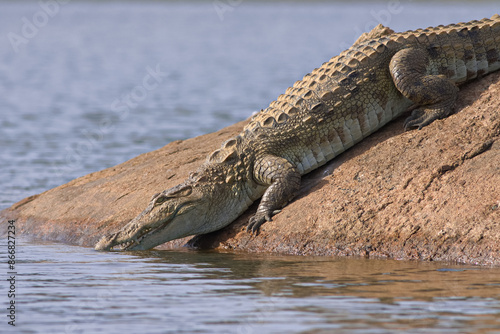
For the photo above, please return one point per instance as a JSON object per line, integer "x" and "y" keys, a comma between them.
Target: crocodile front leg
{"x": 283, "y": 180}
{"x": 434, "y": 95}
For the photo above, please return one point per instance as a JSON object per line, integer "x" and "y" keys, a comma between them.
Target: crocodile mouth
{"x": 132, "y": 239}
{"x": 123, "y": 246}
{"x": 136, "y": 242}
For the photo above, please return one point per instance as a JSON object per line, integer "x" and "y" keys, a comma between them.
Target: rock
{"x": 432, "y": 194}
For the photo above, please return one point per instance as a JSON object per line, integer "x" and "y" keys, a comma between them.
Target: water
{"x": 94, "y": 84}
{"x": 68, "y": 289}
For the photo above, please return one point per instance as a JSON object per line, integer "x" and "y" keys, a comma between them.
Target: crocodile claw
{"x": 418, "y": 119}
{"x": 256, "y": 221}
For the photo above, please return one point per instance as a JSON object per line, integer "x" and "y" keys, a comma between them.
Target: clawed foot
{"x": 423, "y": 117}
{"x": 256, "y": 221}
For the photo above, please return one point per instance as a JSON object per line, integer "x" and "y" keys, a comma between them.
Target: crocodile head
{"x": 191, "y": 208}
{"x": 174, "y": 213}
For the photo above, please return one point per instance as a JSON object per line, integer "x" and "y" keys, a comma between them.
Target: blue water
{"x": 87, "y": 85}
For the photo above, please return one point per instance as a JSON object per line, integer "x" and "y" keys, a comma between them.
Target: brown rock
{"x": 432, "y": 194}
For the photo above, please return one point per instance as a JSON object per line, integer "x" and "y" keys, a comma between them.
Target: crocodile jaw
{"x": 136, "y": 235}
{"x": 153, "y": 227}
{"x": 179, "y": 212}
{"x": 175, "y": 213}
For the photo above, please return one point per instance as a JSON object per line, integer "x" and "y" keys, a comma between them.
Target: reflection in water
{"x": 382, "y": 279}
{"x": 74, "y": 289}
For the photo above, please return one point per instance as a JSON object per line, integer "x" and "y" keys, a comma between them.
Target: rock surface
{"x": 432, "y": 194}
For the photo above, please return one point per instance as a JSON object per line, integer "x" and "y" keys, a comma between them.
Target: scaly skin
{"x": 329, "y": 110}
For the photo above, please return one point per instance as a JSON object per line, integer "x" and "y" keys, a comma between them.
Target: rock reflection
{"x": 386, "y": 280}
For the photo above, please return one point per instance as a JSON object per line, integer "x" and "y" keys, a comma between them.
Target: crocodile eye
{"x": 160, "y": 199}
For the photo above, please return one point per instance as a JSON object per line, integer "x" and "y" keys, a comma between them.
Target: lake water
{"x": 68, "y": 289}
{"x": 87, "y": 85}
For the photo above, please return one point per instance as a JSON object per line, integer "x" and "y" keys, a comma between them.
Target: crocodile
{"x": 383, "y": 75}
